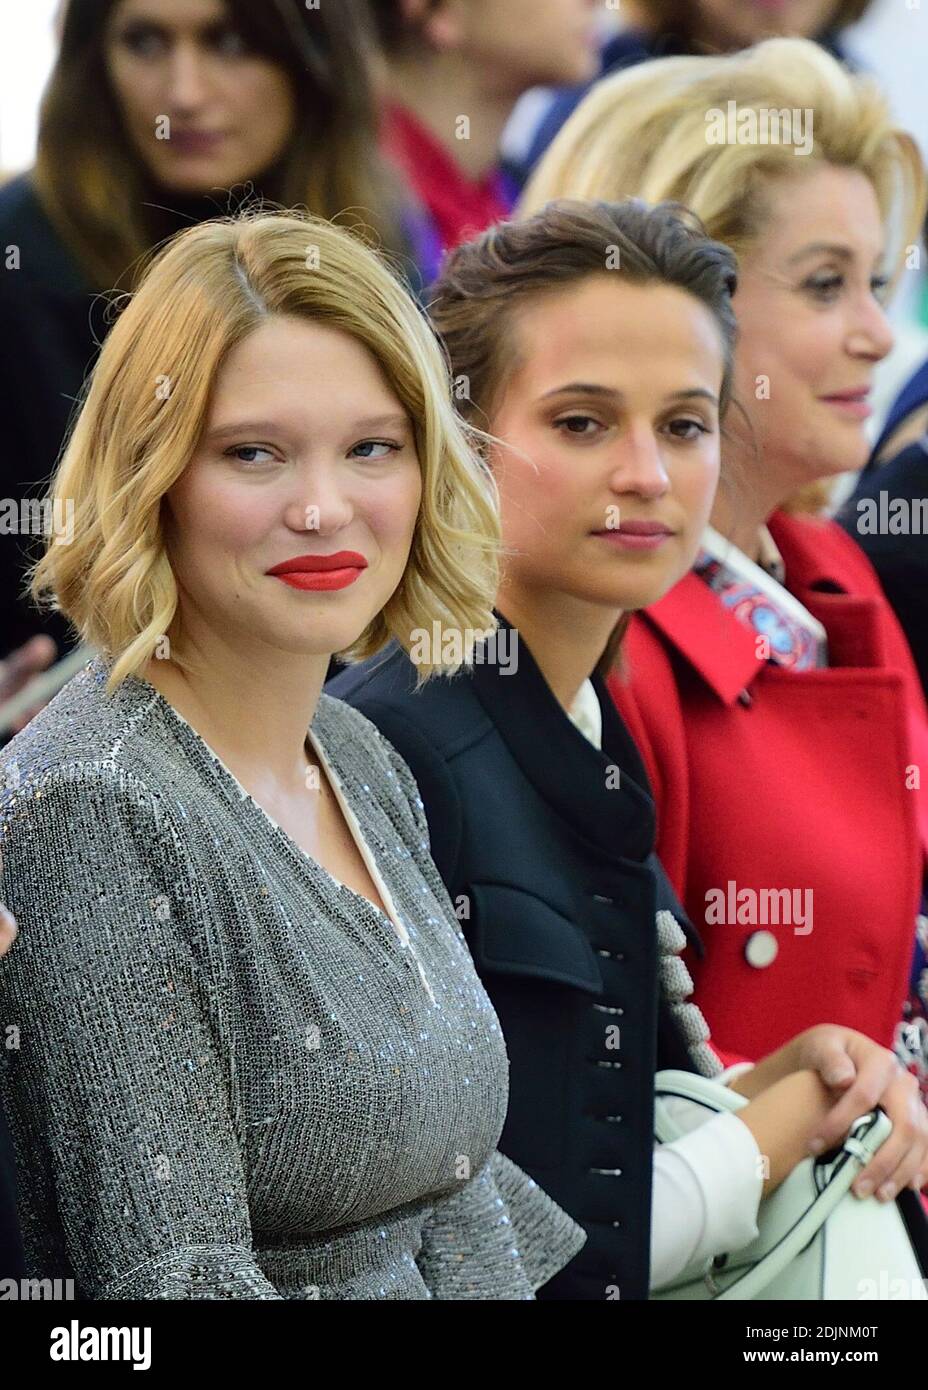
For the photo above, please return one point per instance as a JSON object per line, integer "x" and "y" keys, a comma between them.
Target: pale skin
{"x": 8, "y": 930}
{"x": 307, "y": 420}
{"x": 20, "y": 666}
{"x": 184, "y": 60}
{"x": 477, "y": 57}
{"x": 811, "y": 323}
{"x": 592, "y": 419}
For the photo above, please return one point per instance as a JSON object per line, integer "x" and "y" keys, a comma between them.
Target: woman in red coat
{"x": 772, "y": 692}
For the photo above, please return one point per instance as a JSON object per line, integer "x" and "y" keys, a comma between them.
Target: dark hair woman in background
{"x": 158, "y": 114}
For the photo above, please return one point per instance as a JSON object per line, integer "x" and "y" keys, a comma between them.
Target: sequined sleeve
{"x": 120, "y": 1090}
{"x": 499, "y": 1231}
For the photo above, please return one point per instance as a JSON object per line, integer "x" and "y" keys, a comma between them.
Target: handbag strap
{"x": 865, "y": 1138}
{"x": 854, "y": 1152}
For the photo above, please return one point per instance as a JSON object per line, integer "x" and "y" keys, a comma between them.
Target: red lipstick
{"x": 320, "y": 572}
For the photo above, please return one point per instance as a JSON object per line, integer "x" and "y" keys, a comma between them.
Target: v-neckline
{"x": 278, "y": 829}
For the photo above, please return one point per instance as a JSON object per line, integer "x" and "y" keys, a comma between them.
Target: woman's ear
{"x": 441, "y": 22}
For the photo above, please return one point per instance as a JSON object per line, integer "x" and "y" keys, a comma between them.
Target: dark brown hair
{"x": 679, "y": 17}
{"x": 394, "y": 29}
{"x": 485, "y": 281}
{"x": 94, "y": 186}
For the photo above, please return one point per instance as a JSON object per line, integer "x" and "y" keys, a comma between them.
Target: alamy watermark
{"x": 451, "y": 646}
{"x": 892, "y": 516}
{"x": 35, "y": 516}
{"x": 762, "y": 125}
{"x": 752, "y": 907}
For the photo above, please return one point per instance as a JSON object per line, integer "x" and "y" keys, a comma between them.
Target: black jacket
{"x": 897, "y": 549}
{"x": 50, "y": 315}
{"x": 555, "y": 883}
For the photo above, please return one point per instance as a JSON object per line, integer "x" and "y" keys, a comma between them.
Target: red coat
{"x": 772, "y": 779}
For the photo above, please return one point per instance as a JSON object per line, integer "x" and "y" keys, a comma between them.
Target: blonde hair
{"x": 643, "y": 132}
{"x": 147, "y": 403}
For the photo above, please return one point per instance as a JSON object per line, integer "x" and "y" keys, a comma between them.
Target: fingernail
{"x": 834, "y": 1078}
{"x": 863, "y": 1189}
{"x": 816, "y": 1146}
{"x": 919, "y": 1182}
{"x": 887, "y": 1192}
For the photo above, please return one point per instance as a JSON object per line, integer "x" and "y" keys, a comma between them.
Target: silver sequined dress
{"x": 227, "y": 1075}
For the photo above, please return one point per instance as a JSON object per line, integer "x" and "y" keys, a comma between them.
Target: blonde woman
{"x": 771, "y": 691}
{"x": 255, "y": 1059}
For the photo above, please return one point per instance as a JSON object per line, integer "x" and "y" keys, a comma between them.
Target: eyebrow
{"x": 589, "y": 388}
{"x": 832, "y": 248}
{"x": 246, "y": 427}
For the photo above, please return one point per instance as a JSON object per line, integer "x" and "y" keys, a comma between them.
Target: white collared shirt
{"x": 707, "y": 1185}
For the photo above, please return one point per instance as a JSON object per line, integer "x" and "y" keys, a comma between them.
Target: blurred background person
{"x": 886, "y": 512}
{"x": 454, "y": 72}
{"x": 772, "y": 691}
{"x": 659, "y": 28}
{"x": 886, "y": 517}
{"x": 158, "y": 114}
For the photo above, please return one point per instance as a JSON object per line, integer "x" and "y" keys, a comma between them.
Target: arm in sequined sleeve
{"x": 120, "y": 1083}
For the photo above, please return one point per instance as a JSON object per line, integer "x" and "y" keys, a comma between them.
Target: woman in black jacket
{"x": 151, "y": 122}
{"x": 593, "y": 342}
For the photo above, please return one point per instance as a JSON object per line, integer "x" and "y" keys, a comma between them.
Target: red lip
{"x": 302, "y": 564}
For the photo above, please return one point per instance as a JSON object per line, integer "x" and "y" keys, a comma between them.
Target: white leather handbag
{"x": 816, "y": 1239}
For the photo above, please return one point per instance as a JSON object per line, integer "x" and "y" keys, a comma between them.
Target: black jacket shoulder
{"x": 428, "y": 727}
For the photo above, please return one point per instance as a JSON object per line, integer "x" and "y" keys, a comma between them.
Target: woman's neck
{"x": 565, "y": 636}
{"x": 169, "y": 210}
{"x": 253, "y": 707}
{"x": 744, "y": 505}
{"x": 439, "y": 90}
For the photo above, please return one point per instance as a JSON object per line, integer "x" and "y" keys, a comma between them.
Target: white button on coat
{"x": 761, "y": 949}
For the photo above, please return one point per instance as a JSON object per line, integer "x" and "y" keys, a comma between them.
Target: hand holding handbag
{"x": 816, "y": 1240}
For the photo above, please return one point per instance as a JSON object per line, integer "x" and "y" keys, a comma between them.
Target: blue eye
{"x": 825, "y": 287}
{"x": 238, "y": 450}
{"x": 390, "y": 448}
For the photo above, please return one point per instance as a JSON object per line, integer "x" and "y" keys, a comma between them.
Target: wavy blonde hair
{"x": 207, "y": 290}
{"x": 643, "y": 133}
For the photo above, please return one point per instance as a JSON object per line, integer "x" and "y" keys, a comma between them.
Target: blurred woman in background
{"x": 661, "y": 28}
{"x": 455, "y": 70}
{"x": 772, "y": 692}
{"x": 158, "y": 114}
